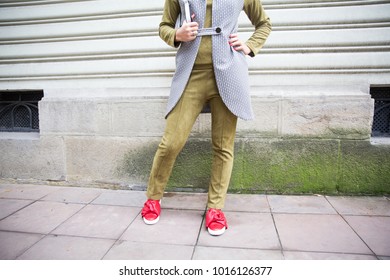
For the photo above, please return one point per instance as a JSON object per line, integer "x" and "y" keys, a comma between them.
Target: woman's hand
{"x": 187, "y": 32}
{"x": 238, "y": 45}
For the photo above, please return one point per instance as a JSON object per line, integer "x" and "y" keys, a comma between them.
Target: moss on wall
{"x": 364, "y": 168}
{"x": 289, "y": 166}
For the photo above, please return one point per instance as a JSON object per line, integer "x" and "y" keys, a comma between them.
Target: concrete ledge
{"x": 305, "y": 111}
{"x": 286, "y": 166}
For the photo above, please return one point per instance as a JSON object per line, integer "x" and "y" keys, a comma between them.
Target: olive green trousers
{"x": 201, "y": 89}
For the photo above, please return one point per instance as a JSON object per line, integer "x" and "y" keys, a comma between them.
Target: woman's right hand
{"x": 187, "y": 32}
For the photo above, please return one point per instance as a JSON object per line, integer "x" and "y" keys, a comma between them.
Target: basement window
{"x": 19, "y": 110}
{"x": 381, "y": 123}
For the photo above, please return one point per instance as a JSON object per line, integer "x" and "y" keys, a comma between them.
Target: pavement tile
{"x": 188, "y": 201}
{"x": 300, "y": 204}
{"x": 68, "y": 248}
{"x": 375, "y": 231}
{"x": 32, "y": 192}
{"x": 100, "y": 221}
{"x": 245, "y": 230}
{"x": 290, "y": 255}
{"x": 174, "y": 227}
{"x": 361, "y": 205}
{"x": 218, "y": 253}
{"x": 10, "y": 206}
{"x": 129, "y": 250}
{"x": 73, "y": 195}
{"x": 13, "y": 244}
{"x": 121, "y": 198}
{"x": 39, "y": 217}
{"x": 318, "y": 233}
{"x": 246, "y": 203}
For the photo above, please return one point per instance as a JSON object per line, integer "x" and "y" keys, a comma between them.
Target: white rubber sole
{"x": 148, "y": 222}
{"x": 216, "y": 232}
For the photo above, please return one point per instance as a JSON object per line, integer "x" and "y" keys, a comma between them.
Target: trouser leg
{"x": 178, "y": 127}
{"x": 223, "y": 134}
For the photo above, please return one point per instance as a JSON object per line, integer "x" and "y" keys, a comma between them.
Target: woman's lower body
{"x": 201, "y": 89}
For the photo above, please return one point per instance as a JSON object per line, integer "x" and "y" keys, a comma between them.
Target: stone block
{"x": 328, "y": 117}
{"x": 28, "y": 158}
{"x": 102, "y": 158}
{"x": 138, "y": 117}
{"x": 266, "y": 122}
{"x": 69, "y": 116}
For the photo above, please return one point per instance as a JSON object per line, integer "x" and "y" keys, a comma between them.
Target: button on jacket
{"x": 230, "y": 66}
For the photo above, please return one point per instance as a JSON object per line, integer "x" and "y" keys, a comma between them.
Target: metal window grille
{"x": 19, "y": 111}
{"x": 381, "y": 124}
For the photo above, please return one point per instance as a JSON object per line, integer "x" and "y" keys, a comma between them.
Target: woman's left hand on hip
{"x": 238, "y": 45}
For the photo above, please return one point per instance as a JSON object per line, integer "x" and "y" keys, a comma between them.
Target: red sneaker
{"x": 151, "y": 211}
{"x": 216, "y": 223}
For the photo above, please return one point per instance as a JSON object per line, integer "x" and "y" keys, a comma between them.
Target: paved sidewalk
{"x": 51, "y": 222}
